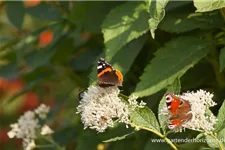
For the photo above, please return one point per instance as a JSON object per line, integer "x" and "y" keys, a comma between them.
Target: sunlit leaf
{"x": 221, "y": 118}
{"x": 144, "y": 117}
{"x": 171, "y": 62}
{"x": 124, "y": 24}
{"x": 118, "y": 138}
{"x": 203, "y": 6}
{"x": 157, "y": 13}
{"x": 183, "y": 22}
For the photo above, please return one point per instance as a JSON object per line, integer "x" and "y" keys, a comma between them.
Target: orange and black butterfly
{"x": 179, "y": 110}
{"x": 107, "y": 76}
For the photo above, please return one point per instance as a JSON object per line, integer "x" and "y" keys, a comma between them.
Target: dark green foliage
{"x": 157, "y": 45}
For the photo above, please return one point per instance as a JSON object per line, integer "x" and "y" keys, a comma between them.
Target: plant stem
{"x": 124, "y": 96}
{"x": 222, "y": 11}
{"x": 157, "y": 133}
{"x": 43, "y": 146}
{"x": 218, "y": 141}
{"x": 50, "y": 140}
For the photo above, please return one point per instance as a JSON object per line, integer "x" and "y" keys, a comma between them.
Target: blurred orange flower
{"x": 14, "y": 86}
{"x": 29, "y": 3}
{"x": 3, "y": 84}
{"x": 11, "y": 86}
{"x": 3, "y": 137}
{"x": 45, "y": 38}
{"x": 31, "y": 101}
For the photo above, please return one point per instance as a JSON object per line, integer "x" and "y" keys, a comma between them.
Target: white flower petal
{"x": 46, "y": 130}
{"x": 11, "y": 134}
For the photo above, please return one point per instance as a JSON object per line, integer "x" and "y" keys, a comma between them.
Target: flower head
{"x": 133, "y": 103}
{"x": 27, "y": 126}
{"x": 46, "y": 130}
{"x": 101, "y": 107}
{"x": 42, "y": 111}
{"x": 202, "y": 118}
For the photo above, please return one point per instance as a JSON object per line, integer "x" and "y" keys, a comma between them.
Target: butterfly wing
{"x": 107, "y": 76}
{"x": 103, "y": 66}
{"x": 180, "y": 110}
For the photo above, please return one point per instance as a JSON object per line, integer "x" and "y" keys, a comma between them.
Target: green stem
{"x": 218, "y": 141}
{"x": 50, "y": 140}
{"x": 43, "y": 146}
{"x": 222, "y": 11}
{"x": 123, "y": 96}
{"x": 157, "y": 133}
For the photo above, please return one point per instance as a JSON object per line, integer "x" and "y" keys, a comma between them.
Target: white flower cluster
{"x": 133, "y": 103}
{"x": 42, "y": 111}
{"x": 101, "y": 107}
{"x": 202, "y": 118}
{"x": 27, "y": 126}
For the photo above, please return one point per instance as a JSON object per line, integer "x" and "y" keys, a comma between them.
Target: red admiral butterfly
{"x": 179, "y": 109}
{"x": 107, "y": 76}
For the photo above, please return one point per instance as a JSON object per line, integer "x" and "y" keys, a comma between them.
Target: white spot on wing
{"x": 99, "y": 67}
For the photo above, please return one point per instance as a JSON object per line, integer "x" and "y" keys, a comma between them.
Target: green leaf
{"x": 192, "y": 145}
{"x": 222, "y": 59}
{"x": 15, "y": 12}
{"x": 177, "y": 5}
{"x": 89, "y": 136}
{"x": 221, "y": 137}
{"x": 144, "y": 117}
{"x": 203, "y": 6}
{"x": 175, "y": 88}
{"x": 85, "y": 60}
{"x": 124, "y": 24}
{"x": 8, "y": 71}
{"x": 170, "y": 63}
{"x": 64, "y": 50}
{"x": 118, "y": 138}
{"x": 39, "y": 58}
{"x": 90, "y": 14}
{"x": 132, "y": 49}
{"x": 183, "y": 22}
{"x": 68, "y": 132}
{"x": 208, "y": 148}
{"x": 221, "y": 118}
{"x": 44, "y": 12}
{"x": 218, "y": 142}
{"x": 157, "y": 13}
{"x": 65, "y": 5}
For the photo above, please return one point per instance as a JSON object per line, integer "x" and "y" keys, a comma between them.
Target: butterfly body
{"x": 80, "y": 95}
{"x": 107, "y": 76}
{"x": 179, "y": 110}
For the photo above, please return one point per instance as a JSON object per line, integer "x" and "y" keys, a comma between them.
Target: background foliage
{"x": 49, "y": 52}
